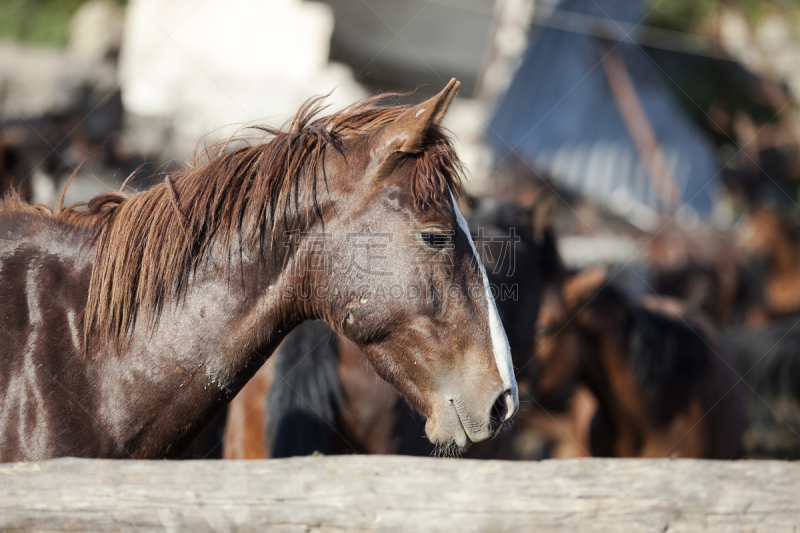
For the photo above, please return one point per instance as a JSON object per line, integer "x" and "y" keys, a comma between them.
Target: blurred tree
{"x": 687, "y": 15}
{"x": 679, "y": 15}
{"x": 42, "y": 22}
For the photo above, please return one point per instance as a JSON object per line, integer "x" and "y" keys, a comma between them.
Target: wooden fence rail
{"x": 378, "y": 493}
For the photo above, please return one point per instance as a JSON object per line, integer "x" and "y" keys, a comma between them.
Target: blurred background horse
{"x": 662, "y": 386}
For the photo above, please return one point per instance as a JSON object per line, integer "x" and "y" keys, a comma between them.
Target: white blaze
{"x": 502, "y": 352}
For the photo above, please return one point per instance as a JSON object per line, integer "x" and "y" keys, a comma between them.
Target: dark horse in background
{"x": 128, "y": 323}
{"x": 761, "y": 327}
{"x": 13, "y": 170}
{"x": 662, "y": 382}
{"x": 750, "y": 276}
{"x": 768, "y": 358}
{"x": 318, "y": 395}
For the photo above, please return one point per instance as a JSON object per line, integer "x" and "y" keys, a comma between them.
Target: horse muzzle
{"x": 458, "y": 421}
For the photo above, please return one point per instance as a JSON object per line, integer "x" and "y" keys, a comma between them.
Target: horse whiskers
{"x": 450, "y": 449}
{"x": 506, "y": 427}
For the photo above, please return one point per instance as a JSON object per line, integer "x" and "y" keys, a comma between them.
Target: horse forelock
{"x": 148, "y": 243}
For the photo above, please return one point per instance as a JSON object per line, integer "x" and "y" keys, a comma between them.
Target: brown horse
{"x": 128, "y": 324}
{"x": 663, "y": 386}
{"x": 773, "y": 240}
{"x": 318, "y": 395}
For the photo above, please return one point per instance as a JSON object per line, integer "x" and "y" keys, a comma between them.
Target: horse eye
{"x": 435, "y": 240}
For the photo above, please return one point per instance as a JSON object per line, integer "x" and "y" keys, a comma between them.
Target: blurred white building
{"x": 192, "y": 67}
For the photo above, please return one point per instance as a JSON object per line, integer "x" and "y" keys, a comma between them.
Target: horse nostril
{"x": 501, "y": 410}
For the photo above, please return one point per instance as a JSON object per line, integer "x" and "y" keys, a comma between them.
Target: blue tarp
{"x": 559, "y": 114}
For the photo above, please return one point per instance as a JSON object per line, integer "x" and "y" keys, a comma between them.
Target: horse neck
{"x": 204, "y": 347}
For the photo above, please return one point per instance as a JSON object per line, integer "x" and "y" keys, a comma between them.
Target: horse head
{"x": 402, "y": 278}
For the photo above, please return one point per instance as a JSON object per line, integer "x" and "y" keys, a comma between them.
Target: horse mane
{"x": 148, "y": 243}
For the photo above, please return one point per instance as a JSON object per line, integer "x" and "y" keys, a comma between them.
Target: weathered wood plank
{"x": 374, "y": 493}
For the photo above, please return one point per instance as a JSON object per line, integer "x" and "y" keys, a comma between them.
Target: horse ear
{"x": 583, "y": 285}
{"x": 406, "y": 134}
{"x": 542, "y": 216}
